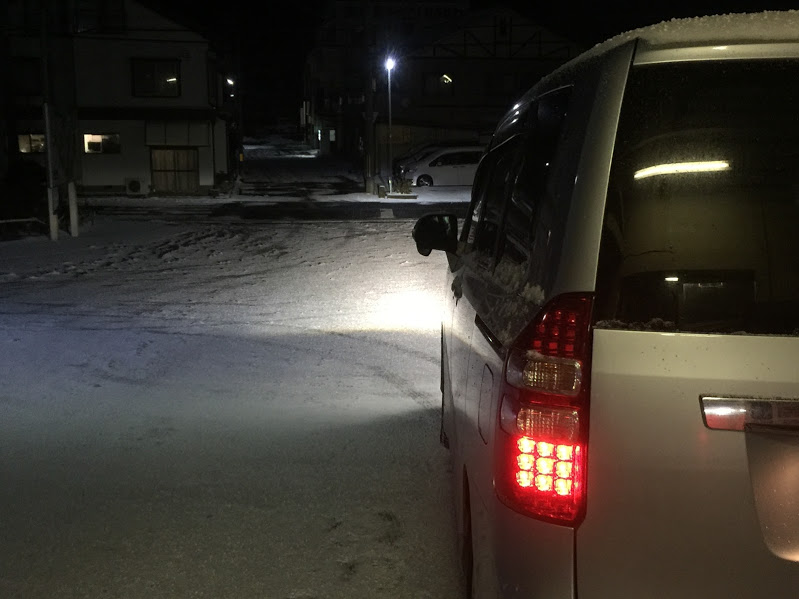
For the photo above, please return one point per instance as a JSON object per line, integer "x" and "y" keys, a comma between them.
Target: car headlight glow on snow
{"x": 415, "y": 310}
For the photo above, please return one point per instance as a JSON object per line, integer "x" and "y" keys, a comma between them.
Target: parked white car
{"x": 620, "y": 344}
{"x": 417, "y": 153}
{"x": 445, "y": 166}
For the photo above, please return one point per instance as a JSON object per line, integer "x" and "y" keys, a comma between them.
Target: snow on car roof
{"x": 766, "y": 26}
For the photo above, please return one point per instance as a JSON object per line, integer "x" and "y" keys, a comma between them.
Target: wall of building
{"x": 103, "y": 73}
{"x": 111, "y": 170}
{"x": 222, "y": 150}
{"x": 136, "y": 139}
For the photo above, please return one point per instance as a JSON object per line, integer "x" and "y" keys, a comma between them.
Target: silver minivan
{"x": 620, "y": 345}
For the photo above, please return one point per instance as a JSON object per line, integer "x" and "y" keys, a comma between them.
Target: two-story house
{"x": 151, "y": 108}
{"x": 154, "y": 107}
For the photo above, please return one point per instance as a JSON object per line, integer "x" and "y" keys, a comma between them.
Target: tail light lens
{"x": 543, "y": 428}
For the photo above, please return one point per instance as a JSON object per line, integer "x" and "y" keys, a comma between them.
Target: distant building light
{"x": 230, "y": 81}
{"x": 31, "y": 143}
{"x": 101, "y": 143}
{"x": 232, "y": 95}
{"x": 446, "y": 79}
{"x": 672, "y": 279}
{"x": 172, "y": 80}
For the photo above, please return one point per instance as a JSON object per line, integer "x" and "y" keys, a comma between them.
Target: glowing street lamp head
{"x": 390, "y": 63}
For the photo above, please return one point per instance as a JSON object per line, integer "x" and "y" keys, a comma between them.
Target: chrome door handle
{"x": 737, "y": 413}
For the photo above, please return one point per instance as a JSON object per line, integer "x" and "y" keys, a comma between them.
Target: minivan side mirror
{"x": 436, "y": 232}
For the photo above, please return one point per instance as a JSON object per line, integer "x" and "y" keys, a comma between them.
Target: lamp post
{"x": 390, "y": 65}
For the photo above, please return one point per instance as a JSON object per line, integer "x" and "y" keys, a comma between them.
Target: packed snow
{"x": 223, "y": 409}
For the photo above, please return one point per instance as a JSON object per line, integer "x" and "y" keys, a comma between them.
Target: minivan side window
{"x": 533, "y": 210}
{"x": 502, "y": 165}
{"x": 516, "y": 213}
{"x": 702, "y": 212}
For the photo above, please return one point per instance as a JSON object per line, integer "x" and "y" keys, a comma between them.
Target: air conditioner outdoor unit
{"x": 134, "y": 186}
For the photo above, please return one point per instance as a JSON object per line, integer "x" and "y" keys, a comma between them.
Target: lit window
{"x": 105, "y": 143}
{"x": 436, "y": 84}
{"x": 31, "y": 143}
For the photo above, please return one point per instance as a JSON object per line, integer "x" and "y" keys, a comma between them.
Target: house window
{"x": 439, "y": 84}
{"x": 156, "y": 78}
{"x": 101, "y": 143}
{"x": 31, "y": 143}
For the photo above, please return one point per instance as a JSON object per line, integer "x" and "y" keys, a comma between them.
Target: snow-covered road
{"x": 223, "y": 410}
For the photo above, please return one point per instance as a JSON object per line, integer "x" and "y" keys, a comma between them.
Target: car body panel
{"x": 583, "y": 232}
{"x": 506, "y": 564}
{"x": 667, "y": 497}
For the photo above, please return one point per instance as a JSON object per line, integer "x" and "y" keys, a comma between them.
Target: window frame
{"x": 529, "y": 135}
{"x": 138, "y": 61}
{"x": 30, "y": 143}
{"x": 86, "y": 152}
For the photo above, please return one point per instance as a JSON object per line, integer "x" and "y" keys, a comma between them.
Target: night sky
{"x": 272, "y": 37}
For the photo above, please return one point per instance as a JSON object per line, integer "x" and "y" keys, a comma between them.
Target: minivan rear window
{"x": 701, "y": 226}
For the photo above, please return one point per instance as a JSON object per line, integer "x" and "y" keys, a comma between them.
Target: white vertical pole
{"x": 52, "y": 190}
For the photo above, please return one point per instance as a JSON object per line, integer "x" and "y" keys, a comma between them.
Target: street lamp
{"x": 389, "y": 65}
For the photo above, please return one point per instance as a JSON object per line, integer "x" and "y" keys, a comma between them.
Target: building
{"x": 454, "y": 76}
{"x": 154, "y": 107}
{"x": 470, "y": 77}
{"x": 137, "y": 103}
{"x": 343, "y": 67}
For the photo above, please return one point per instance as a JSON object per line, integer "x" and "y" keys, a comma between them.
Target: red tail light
{"x": 543, "y": 426}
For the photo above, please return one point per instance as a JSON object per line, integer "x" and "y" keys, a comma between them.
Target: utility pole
{"x": 59, "y": 122}
{"x": 369, "y": 116}
{"x": 49, "y": 141}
